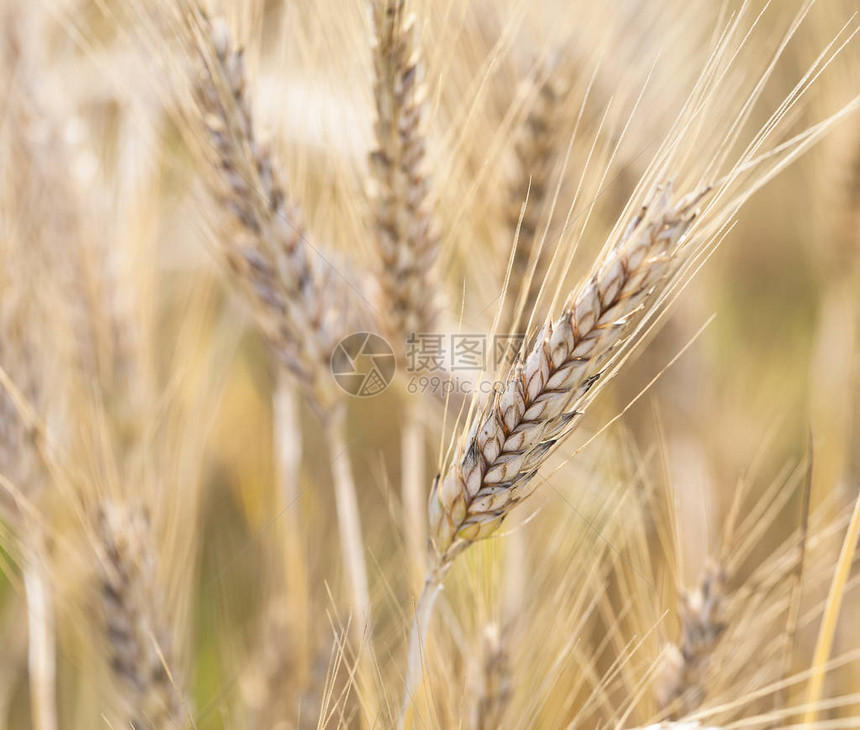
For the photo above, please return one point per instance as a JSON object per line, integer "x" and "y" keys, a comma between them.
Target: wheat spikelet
{"x": 403, "y": 212}
{"x": 540, "y": 399}
{"x": 300, "y": 304}
{"x": 139, "y": 645}
{"x": 681, "y": 684}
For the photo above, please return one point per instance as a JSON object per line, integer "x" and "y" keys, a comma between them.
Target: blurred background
{"x": 173, "y": 405}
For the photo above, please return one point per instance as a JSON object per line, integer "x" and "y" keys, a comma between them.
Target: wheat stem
{"x": 352, "y": 550}
{"x": 827, "y": 632}
{"x": 288, "y": 455}
{"x": 288, "y": 437}
{"x": 349, "y": 522}
{"x": 413, "y": 491}
{"x": 42, "y": 657}
{"x": 417, "y": 633}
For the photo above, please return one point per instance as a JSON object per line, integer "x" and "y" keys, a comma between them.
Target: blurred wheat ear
{"x": 681, "y": 685}
{"x": 406, "y": 228}
{"x": 536, "y": 157}
{"x": 140, "y": 643}
{"x": 301, "y": 303}
{"x": 295, "y": 301}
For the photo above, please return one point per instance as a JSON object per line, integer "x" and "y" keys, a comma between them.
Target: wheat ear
{"x": 301, "y": 306}
{"x": 140, "y": 648}
{"x": 541, "y": 397}
{"x": 407, "y": 243}
{"x": 299, "y": 302}
{"x": 681, "y": 685}
{"x": 403, "y": 210}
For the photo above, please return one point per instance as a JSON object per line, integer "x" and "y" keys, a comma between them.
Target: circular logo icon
{"x": 363, "y": 364}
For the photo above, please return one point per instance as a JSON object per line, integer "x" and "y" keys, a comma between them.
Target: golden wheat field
{"x": 461, "y": 364}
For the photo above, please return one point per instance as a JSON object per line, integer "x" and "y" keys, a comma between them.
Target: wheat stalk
{"x": 681, "y": 684}
{"x": 827, "y": 630}
{"x": 22, "y": 461}
{"x": 140, "y": 649}
{"x": 413, "y": 480}
{"x": 41, "y": 637}
{"x": 288, "y": 452}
